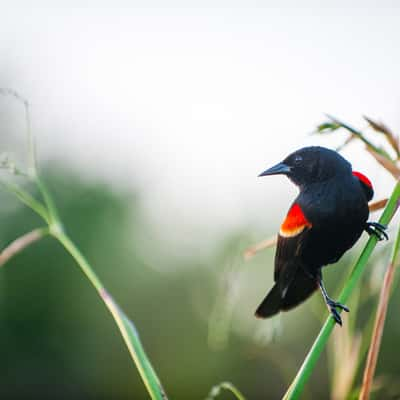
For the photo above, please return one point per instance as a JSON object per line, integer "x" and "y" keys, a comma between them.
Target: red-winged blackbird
{"x": 325, "y": 220}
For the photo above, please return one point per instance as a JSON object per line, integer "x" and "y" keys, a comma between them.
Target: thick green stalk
{"x": 313, "y": 355}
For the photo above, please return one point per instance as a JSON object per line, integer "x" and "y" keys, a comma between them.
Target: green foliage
{"x": 59, "y": 341}
{"x": 49, "y": 213}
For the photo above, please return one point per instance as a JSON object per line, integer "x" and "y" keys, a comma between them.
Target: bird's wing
{"x": 293, "y": 234}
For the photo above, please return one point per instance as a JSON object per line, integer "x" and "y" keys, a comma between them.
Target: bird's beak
{"x": 277, "y": 169}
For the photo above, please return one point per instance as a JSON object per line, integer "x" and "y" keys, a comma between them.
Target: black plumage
{"x": 325, "y": 220}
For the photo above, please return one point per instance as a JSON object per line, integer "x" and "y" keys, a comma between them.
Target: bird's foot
{"x": 377, "y": 229}
{"x": 332, "y": 306}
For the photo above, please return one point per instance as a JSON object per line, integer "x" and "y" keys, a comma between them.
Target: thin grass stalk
{"x": 377, "y": 205}
{"x": 128, "y": 331}
{"x": 265, "y": 244}
{"x": 27, "y": 199}
{"x": 379, "y": 324}
{"x": 55, "y": 221}
{"x": 31, "y": 140}
{"x": 392, "y": 139}
{"x": 48, "y": 211}
{"x": 32, "y": 162}
{"x": 305, "y": 371}
{"x": 21, "y": 243}
{"x": 125, "y": 326}
{"x": 217, "y": 389}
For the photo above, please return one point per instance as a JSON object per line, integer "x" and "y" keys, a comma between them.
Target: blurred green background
{"x": 152, "y": 122}
{"x": 194, "y": 315}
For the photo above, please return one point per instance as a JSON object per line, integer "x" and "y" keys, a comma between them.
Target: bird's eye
{"x": 298, "y": 159}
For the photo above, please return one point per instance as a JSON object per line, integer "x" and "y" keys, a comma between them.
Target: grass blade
{"x": 135, "y": 347}
{"x": 27, "y": 199}
{"x": 216, "y": 391}
{"x": 390, "y": 136}
{"x": 360, "y": 136}
{"x": 389, "y": 165}
{"x": 125, "y": 326}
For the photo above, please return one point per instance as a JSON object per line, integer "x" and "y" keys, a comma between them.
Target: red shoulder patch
{"x": 362, "y": 178}
{"x": 295, "y": 222}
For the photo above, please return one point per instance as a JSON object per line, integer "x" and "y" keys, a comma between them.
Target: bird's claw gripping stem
{"x": 377, "y": 229}
{"x": 332, "y": 305}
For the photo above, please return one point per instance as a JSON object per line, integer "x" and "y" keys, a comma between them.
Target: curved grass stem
{"x": 125, "y": 326}
{"x": 216, "y": 391}
{"x": 297, "y": 386}
{"x": 21, "y": 243}
{"x": 32, "y": 162}
{"x": 48, "y": 211}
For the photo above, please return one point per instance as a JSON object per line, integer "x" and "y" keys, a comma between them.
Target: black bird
{"x": 325, "y": 220}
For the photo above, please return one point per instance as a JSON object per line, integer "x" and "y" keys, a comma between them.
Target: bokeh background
{"x": 152, "y": 121}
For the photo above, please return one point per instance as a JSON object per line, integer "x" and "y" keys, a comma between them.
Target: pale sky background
{"x": 189, "y": 101}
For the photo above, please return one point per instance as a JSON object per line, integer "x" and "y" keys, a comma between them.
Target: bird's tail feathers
{"x": 301, "y": 287}
{"x": 271, "y": 305}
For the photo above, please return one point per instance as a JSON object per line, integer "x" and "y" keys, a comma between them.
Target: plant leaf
{"x": 125, "y": 326}
{"x": 216, "y": 391}
{"x": 327, "y": 127}
{"x": 382, "y": 128}
{"x": 135, "y": 347}
{"x": 27, "y": 199}
{"x": 389, "y": 165}
{"x": 360, "y": 136}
